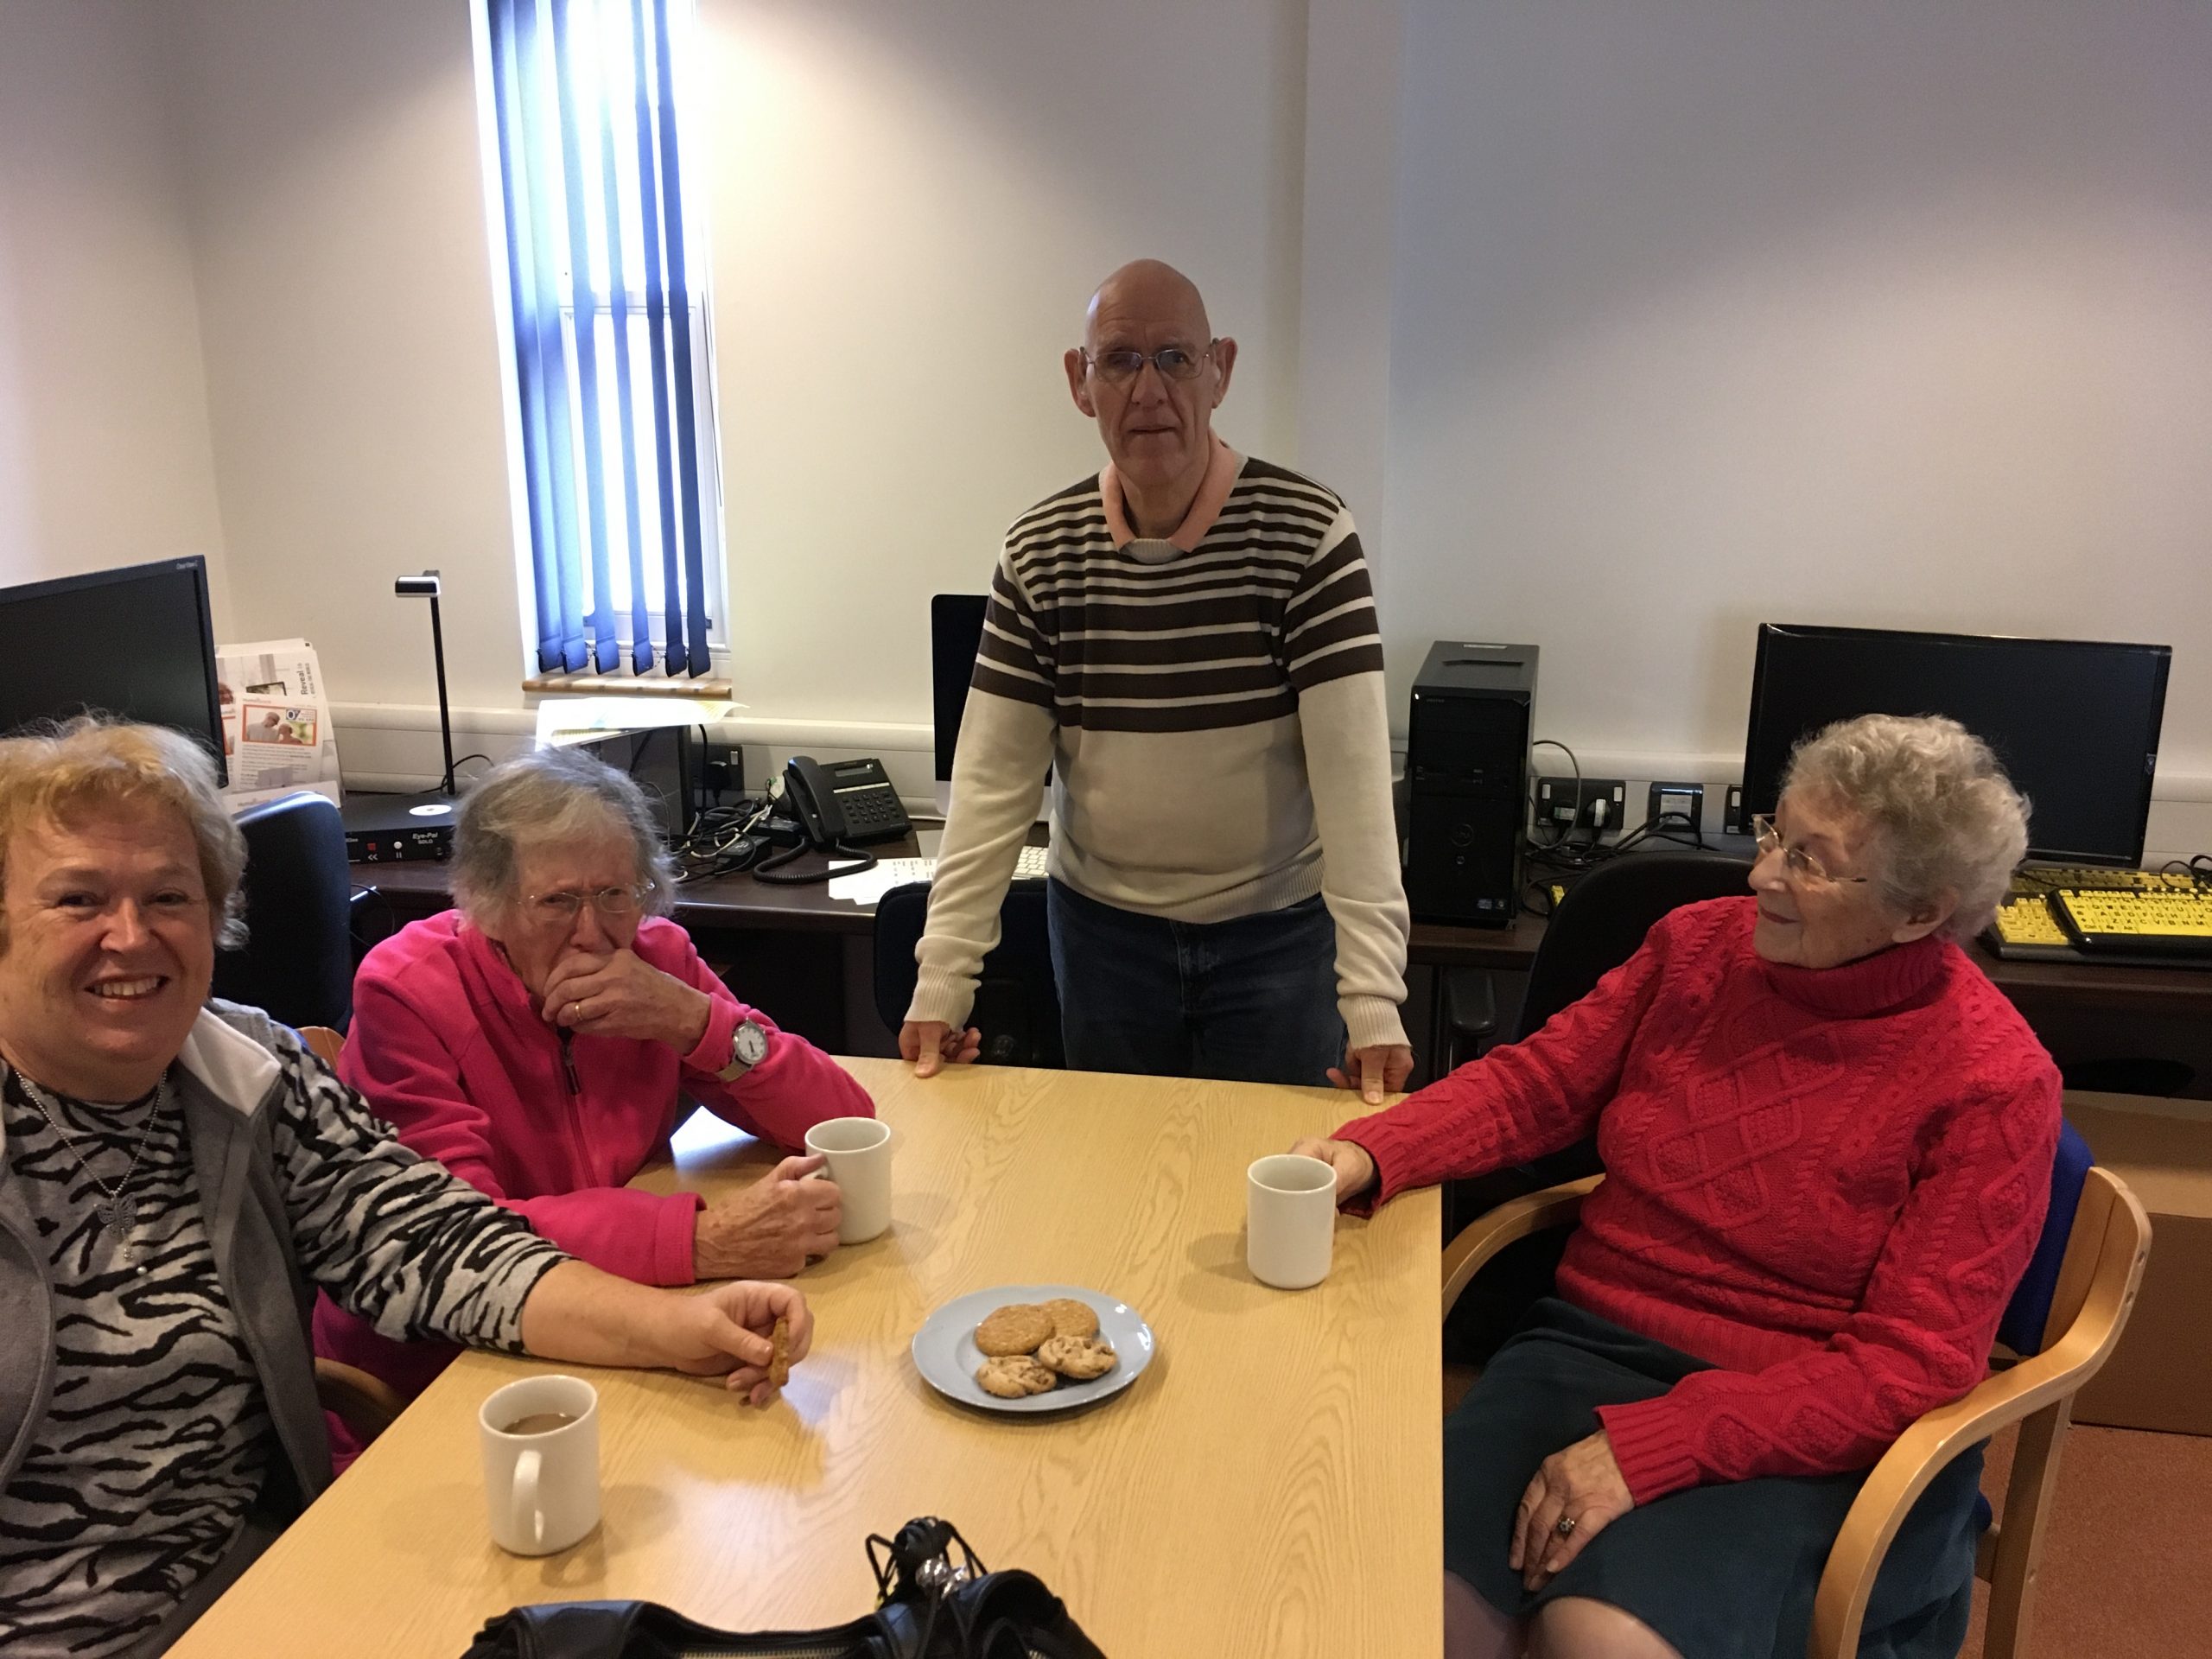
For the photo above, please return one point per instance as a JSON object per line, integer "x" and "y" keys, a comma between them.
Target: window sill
{"x": 712, "y": 686}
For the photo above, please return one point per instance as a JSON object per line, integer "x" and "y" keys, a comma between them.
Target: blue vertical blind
{"x": 610, "y": 332}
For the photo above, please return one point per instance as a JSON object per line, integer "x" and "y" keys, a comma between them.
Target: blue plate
{"x": 946, "y": 1356}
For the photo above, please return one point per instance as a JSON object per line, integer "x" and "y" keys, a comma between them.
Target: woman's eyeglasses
{"x": 1796, "y": 862}
{"x": 565, "y": 904}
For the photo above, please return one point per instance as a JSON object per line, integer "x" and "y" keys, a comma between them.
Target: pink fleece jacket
{"x": 448, "y": 1046}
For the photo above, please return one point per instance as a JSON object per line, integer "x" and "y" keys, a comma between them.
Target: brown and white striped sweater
{"x": 1213, "y": 709}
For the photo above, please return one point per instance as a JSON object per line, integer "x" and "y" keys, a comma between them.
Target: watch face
{"x": 751, "y": 1043}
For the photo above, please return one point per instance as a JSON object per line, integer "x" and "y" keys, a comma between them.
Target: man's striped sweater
{"x": 1213, "y": 709}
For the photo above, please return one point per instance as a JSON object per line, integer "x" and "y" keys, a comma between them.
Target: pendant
{"x": 119, "y": 1216}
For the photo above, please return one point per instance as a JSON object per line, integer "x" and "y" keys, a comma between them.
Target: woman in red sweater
{"x": 1827, "y": 1141}
{"x": 535, "y": 1041}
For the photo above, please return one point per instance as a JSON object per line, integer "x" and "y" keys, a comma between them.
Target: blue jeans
{"x": 1248, "y": 1001}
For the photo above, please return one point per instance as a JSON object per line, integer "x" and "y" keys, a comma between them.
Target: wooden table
{"x": 1271, "y": 1486}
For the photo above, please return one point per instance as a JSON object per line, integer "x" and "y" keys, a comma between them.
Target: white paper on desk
{"x": 869, "y": 885}
{"x": 278, "y": 736}
{"x": 564, "y": 721}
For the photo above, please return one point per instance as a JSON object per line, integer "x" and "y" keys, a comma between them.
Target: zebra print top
{"x": 157, "y": 1439}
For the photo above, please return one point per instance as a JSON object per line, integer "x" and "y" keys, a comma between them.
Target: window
{"x": 613, "y": 343}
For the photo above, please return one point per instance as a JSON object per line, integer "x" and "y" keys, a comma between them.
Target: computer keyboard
{"x": 1030, "y": 867}
{"x": 2039, "y": 879}
{"x": 2166, "y": 923}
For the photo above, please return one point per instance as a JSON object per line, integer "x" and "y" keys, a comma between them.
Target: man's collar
{"x": 1205, "y": 506}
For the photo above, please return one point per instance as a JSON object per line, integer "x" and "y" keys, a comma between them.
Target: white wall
{"x": 910, "y": 207}
{"x": 104, "y": 438}
{"x": 337, "y": 213}
{"x": 1894, "y": 314}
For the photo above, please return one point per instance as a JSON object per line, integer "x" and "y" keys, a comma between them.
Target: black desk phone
{"x": 847, "y": 801}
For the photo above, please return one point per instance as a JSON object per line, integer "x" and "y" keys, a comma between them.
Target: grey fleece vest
{"x": 228, "y": 1076}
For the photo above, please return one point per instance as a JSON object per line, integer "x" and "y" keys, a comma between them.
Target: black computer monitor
{"x": 138, "y": 642}
{"x": 2074, "y": 722}
{"x": 955, "y": 635}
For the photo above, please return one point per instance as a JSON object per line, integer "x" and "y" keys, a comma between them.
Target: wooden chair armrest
{"x": 2044, "y": 1384}
{"x": 367, "y": 1405}
{"x": 1517, "y": 1218}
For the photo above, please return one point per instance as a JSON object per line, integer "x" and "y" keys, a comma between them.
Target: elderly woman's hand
{"x": 622, "y": 995}
{"x": 728, "y": 1332}
{"x": 1354, "y": 1164}
{"x": 1580, "y": 1488}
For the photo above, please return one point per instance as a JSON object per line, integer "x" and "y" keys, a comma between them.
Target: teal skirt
{"x": 1723, "y": 1571}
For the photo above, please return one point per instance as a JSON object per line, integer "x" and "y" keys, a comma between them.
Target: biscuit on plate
{"x": 1017, "y": 1328}
{"x": 1013, "y": 1376}
{"x": 1078, "y": 1358}
{"x": 1070, "y": 1318}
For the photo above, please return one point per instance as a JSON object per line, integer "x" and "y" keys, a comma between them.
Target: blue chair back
{"x": 2021, "y": 1328}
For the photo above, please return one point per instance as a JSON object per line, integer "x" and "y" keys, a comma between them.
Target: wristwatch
{"x": 748, "y": 1047}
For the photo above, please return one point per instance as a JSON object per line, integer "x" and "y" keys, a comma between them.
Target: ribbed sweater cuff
{"x": 1372, "y": 1022}
{"x": 939, "y": 995}
{"x": 676, "y": 1255}
{"x": 1648, "y": 1444}
{"x": 1395, "y": 1151}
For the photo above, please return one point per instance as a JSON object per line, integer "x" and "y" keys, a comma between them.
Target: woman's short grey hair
{"x": 543, "y": 799}
{"x": 1946, "y": 817}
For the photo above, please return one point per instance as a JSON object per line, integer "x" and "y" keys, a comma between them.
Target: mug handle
{"x": 525, "y": 1495}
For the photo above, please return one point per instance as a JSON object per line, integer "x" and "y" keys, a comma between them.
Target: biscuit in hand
{"x": 1070, "y": 1318}
{"x": 1017, "y": 1328}
{"x": 1013, "y": 1376}
{"x": 1077, "y": 1358}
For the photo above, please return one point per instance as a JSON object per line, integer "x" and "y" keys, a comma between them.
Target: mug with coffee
{"x": 1290, "y": 1209}
{"x": 540, "y": 1439}
{"x": 858, "y": 1151}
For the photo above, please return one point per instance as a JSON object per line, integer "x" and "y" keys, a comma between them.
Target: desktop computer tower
{"x": 1467, "y": 782}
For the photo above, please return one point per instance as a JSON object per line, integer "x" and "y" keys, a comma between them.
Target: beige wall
{"x": 104, "y": 438}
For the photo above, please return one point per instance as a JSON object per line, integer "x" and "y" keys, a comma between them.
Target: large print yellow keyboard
{"x": 2166, "y": 923}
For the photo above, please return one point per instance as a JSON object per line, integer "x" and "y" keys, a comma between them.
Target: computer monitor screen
{"x": 955, "y": 635}
{"x": 2075, "y": 722}
{"x": 138, "y": 642}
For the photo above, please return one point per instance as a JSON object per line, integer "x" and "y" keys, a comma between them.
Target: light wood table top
{"x": 1270, "y": 1486}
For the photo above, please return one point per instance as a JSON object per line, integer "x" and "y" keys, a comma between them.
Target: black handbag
{"x": 928, "y": 1607}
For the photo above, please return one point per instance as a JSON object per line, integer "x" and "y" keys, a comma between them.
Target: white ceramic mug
{"x": 859, "y": 1151}
{"x": 542, "y": 1487}
{"x": 1290, "y": 1214}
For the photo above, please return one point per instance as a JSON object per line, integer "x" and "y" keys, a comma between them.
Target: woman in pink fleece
{"x": 535, "y": 1041}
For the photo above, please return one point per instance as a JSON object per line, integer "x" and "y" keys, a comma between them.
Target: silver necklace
{"x": 120, "y": 1215}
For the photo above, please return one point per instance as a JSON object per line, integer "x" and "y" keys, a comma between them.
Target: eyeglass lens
{"x": 1174, "y": 362}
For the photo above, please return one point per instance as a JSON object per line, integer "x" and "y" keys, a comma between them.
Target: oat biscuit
{"x": 1078, "y": 1358}
{"x": 779, "y": 1354}
{"x": 1070, "y": 1318}
{"x": 1012, "y": 1376}
{"x": 1017, "y": 1328}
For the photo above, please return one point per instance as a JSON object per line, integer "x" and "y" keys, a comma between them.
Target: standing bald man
{"x": 1189, "y": 637}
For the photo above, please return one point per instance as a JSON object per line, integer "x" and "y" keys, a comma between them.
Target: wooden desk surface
{"x": 1271, "y": 1486}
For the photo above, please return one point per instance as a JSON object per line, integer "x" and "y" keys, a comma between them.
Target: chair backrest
{"x": 297, "y": 962}
{"x": 2027, "y": 1326}
{"x": 1602, "y": 921}
{"x": 1017, "y": 1001}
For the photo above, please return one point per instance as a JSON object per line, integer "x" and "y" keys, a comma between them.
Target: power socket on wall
{"x": 1685, "y": 803}
{"x": 1598, "y": 803}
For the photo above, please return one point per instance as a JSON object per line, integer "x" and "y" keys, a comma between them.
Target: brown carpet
{"x": 2128, "y": 1545}
{"x": 2127, "y": 1549}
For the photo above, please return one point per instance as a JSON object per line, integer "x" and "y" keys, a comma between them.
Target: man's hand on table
{"x": 929, "y": 1044}
{"x": 1374, "y": 1071}
{"x": 1354, "y": 1165}
{"x": 771, "y": 1228}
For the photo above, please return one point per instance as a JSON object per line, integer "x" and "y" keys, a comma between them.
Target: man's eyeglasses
{"x": 1796, "y": 862}
{"x": 1174, "y": 362}
{"x": 565, "y": 904}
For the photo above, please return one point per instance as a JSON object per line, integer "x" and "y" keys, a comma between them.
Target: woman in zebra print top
{"x": 177, "y": 1178}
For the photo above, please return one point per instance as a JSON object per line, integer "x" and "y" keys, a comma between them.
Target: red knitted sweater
{"x": 1826, "y": 1182}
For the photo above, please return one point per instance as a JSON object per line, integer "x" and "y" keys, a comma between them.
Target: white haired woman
{"x": 537, "y": 1038}
{"x": 1827, "y": 1141}
{"x": 177, "y": 1177}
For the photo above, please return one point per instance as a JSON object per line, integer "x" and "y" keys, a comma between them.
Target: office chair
{"x": 1017, "y": 1003}
{"x": 297, "y": 962}
{"x": 2063, "y": 1321}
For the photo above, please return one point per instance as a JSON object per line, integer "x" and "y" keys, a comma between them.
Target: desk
{"x": 816, "y": 950}
{"x": 1271, "y": 1486}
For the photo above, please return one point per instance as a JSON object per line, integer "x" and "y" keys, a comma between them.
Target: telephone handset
{"x": 838, "y": 805}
